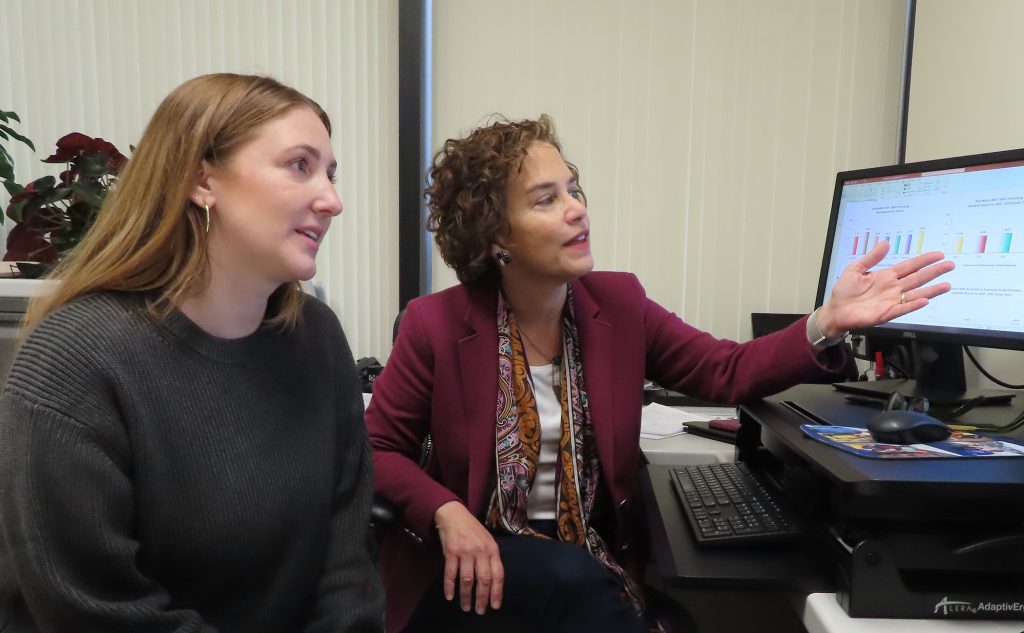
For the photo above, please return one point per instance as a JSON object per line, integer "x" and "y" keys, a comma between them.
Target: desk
{"x": 940, "y": 490}
{"x": 686, "y": 449}
{"x": 709, "y": 580}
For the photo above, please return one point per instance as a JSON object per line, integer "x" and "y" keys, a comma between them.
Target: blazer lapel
{"x": 478, "y": 368}
{"x": 597, "y": 345}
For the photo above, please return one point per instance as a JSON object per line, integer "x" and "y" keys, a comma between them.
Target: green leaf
{"x": 18, "y": 136}
{"x": 46, "y": 182}
{"x": 48, "y": 197}
{"x": 6, "y": 170}
{"x": 90, "y": 192}
{"x": 8, "y": 116}
{"x": 13, "y": 188}
{"x": 16, "y": 211}
{"x": 92, "y": 165}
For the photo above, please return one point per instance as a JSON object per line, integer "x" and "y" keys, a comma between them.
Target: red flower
{"x": 75, "y": 144}
{"x": 27, "y": 245}
{"x": 69, "y": 146}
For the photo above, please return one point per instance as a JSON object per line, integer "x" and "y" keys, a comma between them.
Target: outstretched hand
{"x": 862, "y": 299}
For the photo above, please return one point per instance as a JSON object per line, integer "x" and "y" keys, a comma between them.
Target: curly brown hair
{"x": 466, "y": 190}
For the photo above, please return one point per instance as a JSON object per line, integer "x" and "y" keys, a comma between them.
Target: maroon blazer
{"x": 442, "y": 379}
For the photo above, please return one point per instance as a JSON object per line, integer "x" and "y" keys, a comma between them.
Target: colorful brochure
{"x": 960, "y": 444}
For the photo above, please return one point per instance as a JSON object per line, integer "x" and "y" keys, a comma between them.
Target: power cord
{"x": 974, "y": 360}
{"x": 899, "y": 359}
{"x": 992, "y": 428}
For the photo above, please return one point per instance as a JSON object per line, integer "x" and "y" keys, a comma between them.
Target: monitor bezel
{"x": 972, "y": 337}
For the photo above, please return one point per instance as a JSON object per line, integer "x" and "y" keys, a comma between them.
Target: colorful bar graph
{"x": 920, "y": 241}
{"x": 1007, "y": 238}
{"x": 982, "y": 242}
{"x": 864, "y": 246}
{"x": 896, "y": 248}
{"x": 959, "y": 248}
{"x": 910, "y": 238}
{"x": 875, "y": 242}
{"x": 856, "y": 238}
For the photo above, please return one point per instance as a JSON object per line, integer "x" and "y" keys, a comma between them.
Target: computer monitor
{"x": 12, "y": 312}
{"x": 972, "y": 209}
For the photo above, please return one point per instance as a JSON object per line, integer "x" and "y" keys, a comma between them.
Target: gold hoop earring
{"x": 206, "y": 208}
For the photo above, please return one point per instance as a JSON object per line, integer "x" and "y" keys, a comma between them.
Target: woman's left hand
{"x": 862, "y": 299}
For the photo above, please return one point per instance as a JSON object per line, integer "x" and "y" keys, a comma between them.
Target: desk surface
{"x": 928, "y": 489}
{"x": 686, "y": 449}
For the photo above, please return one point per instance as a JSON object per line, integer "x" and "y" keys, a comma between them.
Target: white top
{"x": 541, "y": 503}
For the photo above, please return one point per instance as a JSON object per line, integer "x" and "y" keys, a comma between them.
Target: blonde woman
{"x": 181, "y": 437}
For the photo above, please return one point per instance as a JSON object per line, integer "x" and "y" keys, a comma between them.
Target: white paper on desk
{"x": 658, "y": 421}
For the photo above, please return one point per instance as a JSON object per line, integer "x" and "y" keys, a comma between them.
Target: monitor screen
{"x": 972, "y": 209}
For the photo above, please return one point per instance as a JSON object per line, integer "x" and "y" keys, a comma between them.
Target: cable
{"x": 899, "y": 365}
{"x": 974, "y": 360}
{"x": 992, "y": 428}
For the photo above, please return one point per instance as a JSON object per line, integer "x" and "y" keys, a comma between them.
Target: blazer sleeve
{"x": 398, "y": 419}
{"x": 696, "y": 363}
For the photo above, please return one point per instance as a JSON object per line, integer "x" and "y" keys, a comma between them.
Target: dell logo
{"x": 908, "y": 334}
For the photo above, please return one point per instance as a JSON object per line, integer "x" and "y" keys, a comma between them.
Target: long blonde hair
{"x": 149, "y": 236}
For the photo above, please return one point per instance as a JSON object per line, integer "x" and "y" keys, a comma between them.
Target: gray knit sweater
{"x": 156, "y": 478}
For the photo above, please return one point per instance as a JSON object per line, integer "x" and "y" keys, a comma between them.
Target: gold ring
{"x": 903, "y": 298}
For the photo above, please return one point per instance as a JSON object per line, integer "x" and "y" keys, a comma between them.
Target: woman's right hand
{"x": 471, "y": 555}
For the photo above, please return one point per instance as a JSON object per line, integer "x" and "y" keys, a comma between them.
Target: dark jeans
{"x": 550, "y": 587}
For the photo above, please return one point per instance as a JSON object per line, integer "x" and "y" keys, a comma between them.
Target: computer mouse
{"x": 907, "y": 427}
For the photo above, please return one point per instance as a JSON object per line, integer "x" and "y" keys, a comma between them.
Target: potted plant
{"x": 52, "y": 214}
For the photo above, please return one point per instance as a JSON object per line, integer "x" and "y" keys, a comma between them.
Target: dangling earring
{"x": 206, "y": 208}
{"x": 503, "y": 258}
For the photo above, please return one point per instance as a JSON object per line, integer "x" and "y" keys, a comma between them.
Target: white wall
{"x": 101, "y": 67}
{"x": 708, "y": 133}
{"x": 966, "y": 96}
{"x": 965, "y": 92}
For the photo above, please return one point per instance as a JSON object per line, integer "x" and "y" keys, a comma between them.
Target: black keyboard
{"x": 726, "y": 504}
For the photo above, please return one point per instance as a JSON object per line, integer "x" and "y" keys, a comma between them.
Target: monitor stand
{"x": 882, "y": 388}
{"x": 939, "y": 369}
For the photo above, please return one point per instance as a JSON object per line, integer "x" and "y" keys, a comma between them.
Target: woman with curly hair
{"x": 527, "y": 376}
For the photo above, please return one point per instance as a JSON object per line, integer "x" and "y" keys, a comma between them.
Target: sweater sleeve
{"x": 349, "y": 594}
{"x": 66, "y": 515}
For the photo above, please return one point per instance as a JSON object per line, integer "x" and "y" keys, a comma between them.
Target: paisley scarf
{"x": 518, "y": 445}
